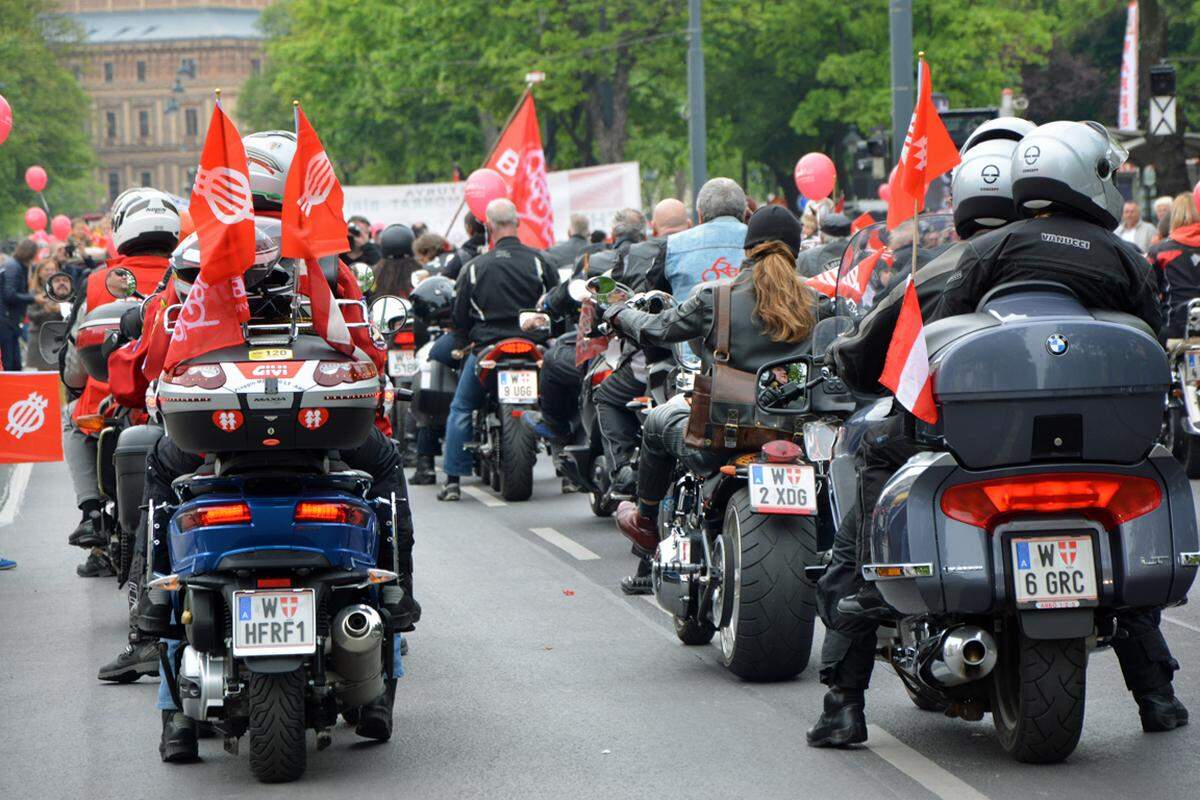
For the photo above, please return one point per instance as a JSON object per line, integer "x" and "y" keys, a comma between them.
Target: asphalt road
{"x": 530, "y": 676}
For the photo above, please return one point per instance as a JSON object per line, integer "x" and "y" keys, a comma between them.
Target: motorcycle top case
{"x": 90, "y": 334}
{"x": 433, "y": 390}
{"x": 129, "y": 458}
{"x": 302, "y": 396}
{"x": 1035, "y": 376}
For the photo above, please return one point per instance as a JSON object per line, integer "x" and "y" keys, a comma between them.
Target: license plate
{"x": 783, "y": 489}
{"x": 402, "y": 363}
{"x": 274, "y": 622}
{"x": 517, "y": 386}
{"x": 1054, "y": 572}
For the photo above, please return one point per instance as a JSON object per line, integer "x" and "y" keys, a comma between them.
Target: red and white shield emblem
{"x": 1067, "y": 552}
{"x": 289, "y": 605}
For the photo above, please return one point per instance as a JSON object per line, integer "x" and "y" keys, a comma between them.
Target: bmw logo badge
{"x": 1057, "y": 344}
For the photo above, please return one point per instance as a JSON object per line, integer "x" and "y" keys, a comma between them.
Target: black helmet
{"x": 433, "y": 299}
{"x": 396, "y": 241}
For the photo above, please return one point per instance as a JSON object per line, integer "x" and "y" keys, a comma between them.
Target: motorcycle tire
{"x": 770, "y": 631}
{"x": 278, "y": 752}
{"x": 1184, "y": 447}
{"x": 518, "y": 454}
{"x": 1038, "y": 691}
{"x": 694, "y": 632}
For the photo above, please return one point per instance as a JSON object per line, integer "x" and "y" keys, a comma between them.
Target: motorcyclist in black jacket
{"x": 477, "y": 238}
{"x": 491, "y": 293}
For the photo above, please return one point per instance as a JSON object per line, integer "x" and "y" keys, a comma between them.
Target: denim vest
{"x": 708, "y": 252}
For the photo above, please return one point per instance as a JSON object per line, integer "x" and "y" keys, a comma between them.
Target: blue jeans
{"x": 468, "y": 397}
{"x": 443, "y": 346}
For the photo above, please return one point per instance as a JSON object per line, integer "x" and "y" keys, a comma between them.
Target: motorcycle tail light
{"x": 331, "y": 373}
{"x": 405, "y": 340}
{"x": 516, "y": 347}
{"x": 273, "y": 583}
{"x": 1108, "y": 498}
{"x": 203, "y": 376}
{"x": 91, "y": 423}
{"x": 781, "y": 451}
{"x": 228, "y": 514}
{"x": 341, "y": 513}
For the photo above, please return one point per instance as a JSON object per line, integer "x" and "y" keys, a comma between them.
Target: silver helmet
{"x": 982, "y": 187}
{"x": 1069, "y": 166}
{"x": 269, "y": 154}
{"x": 1011, "y": 128}
{"x": 268, "y": 274}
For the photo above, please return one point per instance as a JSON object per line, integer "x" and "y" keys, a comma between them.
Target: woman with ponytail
{"x": 772, "y": 314}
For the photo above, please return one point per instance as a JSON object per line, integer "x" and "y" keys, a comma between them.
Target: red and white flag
{"x": 906, "y": 370}
{"x": 519, "y": 159}
{"x": 223, "y": 211}
{"x": 313, "y": 226}
{"x": 1128, "y": 96}
{"x": 928, "y": 153}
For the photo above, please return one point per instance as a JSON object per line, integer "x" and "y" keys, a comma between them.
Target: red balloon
{"x": 5, "y": 119}
{"x": 60, "y": 226}
{"x": 35, "y": 178}
{"x": 35, "y": 218}
{"x": 483, "y": 186}
{"x": 885, "y": 192}
{"x": 815, "y": 176}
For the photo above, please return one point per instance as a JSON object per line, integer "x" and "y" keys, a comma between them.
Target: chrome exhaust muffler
{"x": 967, "y": 654}
{"x": 357, "y": 657}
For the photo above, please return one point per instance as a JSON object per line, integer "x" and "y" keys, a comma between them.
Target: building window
{"x": 187, "y": 66}
{"x": 255, "y": 66}
{"x": 189, "y": 177}
{"x": 147, "y": 179}
{"x": 114, "y": 185}
{"x": 141, "y": 71}
{"x": 191, "y": 122}
{"x": 110, "y": 125}
{"x": 144, "y": 124}
{"x": 108, "y": 72}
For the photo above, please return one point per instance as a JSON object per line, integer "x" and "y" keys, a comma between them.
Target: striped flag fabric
{"x": 906, "y": 370}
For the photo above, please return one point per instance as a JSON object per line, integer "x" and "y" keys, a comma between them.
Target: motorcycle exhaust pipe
{"x": 967, "y": 653}
{"x": 357, "y": 657}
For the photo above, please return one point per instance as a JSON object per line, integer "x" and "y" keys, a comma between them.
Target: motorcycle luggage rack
{"x": 274, "y": 333}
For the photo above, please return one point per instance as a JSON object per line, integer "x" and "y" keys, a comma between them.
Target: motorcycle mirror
{"x": 607, "y": 291}
{"x": 121, "y": 283}
{"x": 364, "y": 274}
{"x": 51, "y": 338}
{"x": 531, "y": 321}
{"x": 60, "y": 286}
{"x": 577, "y": 288}
{"x": 389, "y": 313}
{"x": 782, "y": 386}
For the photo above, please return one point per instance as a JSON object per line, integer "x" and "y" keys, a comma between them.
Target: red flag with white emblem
{"x": 519, "y": 159}
{"x": 906, "y": 371}
{"x": 928, "y": 153}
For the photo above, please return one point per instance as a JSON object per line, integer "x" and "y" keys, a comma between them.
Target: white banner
{"x": 599, "y": 192}
{"x": 1127, "y": 105}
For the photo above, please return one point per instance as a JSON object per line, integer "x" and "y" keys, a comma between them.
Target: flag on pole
{"x": 519, "y": 159}
{"x": 906, "y": 370}
{"x": 1128, "y": 99}
{"x": 928, "y": 153}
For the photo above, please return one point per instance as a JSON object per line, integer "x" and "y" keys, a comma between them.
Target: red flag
{"x": 928, "y": 153}
{"x": 313, "y": 225}
{"x": 221, "y": 206}
{"x": 906, "y": 370}
{"x": 327, "y": 316}
{"x": 519, "y": 160}
{"x": 861, "y": 221}
{"x": 211, "y": 318}
{"x": 30, "y": 417}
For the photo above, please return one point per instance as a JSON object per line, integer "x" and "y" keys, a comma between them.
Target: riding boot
{"x": 842, "y": 722}
{"x": 178, "y": 744}
{"x": 1161, "y": 710}
{"x": 424, "y": 474}
{"x": 375, "y": 718}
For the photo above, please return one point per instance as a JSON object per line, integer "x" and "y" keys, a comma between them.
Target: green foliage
{"x": 49, "y": 115}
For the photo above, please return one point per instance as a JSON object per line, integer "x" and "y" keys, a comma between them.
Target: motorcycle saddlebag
{"x": 129, "y": 457}
{"x": 433, "y": 390}
{"x": 91, "y": 332}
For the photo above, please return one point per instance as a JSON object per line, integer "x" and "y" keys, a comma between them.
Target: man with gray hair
{"x": 565, "y": 253}
{"x": 713, "y": 249}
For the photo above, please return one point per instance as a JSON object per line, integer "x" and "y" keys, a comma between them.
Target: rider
{"x": 713, "y": 249}
{"x": 835, "y": 235}
{"x": 773, "y": 314}
{"x": 393, "y": 273}
{"x": 1176, "y": 258}
{"x": 472, "y": 247}
{"x": 1062, "y": 185}
{"x": 491, "y": 293}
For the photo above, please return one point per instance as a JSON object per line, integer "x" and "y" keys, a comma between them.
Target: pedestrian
{"x": 362, "y": 249}
{"x": 44, "y": 309}
{"x": 14, "y": 291}
{"x": 598, "y": 236}
{"x": 433, "y": 252}
{"x": 476, "y": 239}
{"x": 1134, "y": 229}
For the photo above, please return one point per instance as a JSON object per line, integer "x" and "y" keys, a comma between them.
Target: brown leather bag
{"x": 725, "y": 413}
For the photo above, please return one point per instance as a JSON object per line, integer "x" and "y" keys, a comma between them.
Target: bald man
{"x": 643, "y": 269}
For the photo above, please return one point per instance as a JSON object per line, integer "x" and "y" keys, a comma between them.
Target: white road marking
{"x": 1181, "y": 623}
{"x": 563, "y": 543}
{"x": 18, "y": 480}
{"x": 491, "y": 501}
{"x": 916, "y": 766}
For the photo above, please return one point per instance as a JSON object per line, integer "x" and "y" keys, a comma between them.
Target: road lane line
{"x": 479, "y": 494}
{"x": 568, "y": 546}
{"x": 916, "y": 766}
{"x": 1181, "y": 623}
{"x": 18, "y": 480}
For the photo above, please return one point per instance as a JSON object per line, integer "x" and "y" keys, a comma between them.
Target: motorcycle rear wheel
{"x": 1038, "y": 691}
{"x": 518, "y": 454}
{"x": 770, "y": 631}
{"x": 278, "y": 752}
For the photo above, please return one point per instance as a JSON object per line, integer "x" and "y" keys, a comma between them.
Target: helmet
{"x": 144, "y": 219}
{"x": 433, "y": 299}
{"x": 267, "y": 274}
{"x": 982, "y": 187}
{"x": 1069, "y": 166}
{"x": 396, "y": 241}
{"x": 1010, "y": 128}
{"x": 269, "y": 154}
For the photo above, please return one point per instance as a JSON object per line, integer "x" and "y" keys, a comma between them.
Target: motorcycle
{"x": 505, "y": 450}
{"x": 1181, "y": 430}
{"x": 402, "y": 364}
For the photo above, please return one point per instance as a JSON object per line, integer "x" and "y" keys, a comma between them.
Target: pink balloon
{"x": 5, "y": 119}
{"x": 60, "y": 226}
{"x": 35, "y": 218}
{"x": 885, "y": 192}
{"x": 484, "y": 186}
{"x": 1196, "y": 196}
{"x": 35, "y": 178}
{"x": 815, "y": 176}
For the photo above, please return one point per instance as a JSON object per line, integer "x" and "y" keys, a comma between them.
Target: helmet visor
{"x": 1115, "y": 153}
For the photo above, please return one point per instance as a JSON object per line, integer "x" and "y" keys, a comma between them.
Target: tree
{"x": 49, "y": 115}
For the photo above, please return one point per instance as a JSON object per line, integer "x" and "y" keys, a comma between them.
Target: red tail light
{"x": 1108, "y": 498}
{"x": 204, "y": 376}
{"x": 230, "y": 514}
{"x": 341, "y": 513}
{"x": 274, "y": 583}
{"x": 599, "y": 375}
{"x": 405, "y": 340}
{"x": 781, "y": 451}
{"x": 510, "y": 347}
{"x": 331, "y": 373}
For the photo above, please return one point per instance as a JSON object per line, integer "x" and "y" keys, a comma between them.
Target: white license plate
{"x": 274, "y": 622}
{"x": 783, "y": 489}
{"x": 402, "y": 363}
{"x": 517, "y": 386}
{"x": 1054, "y": 572}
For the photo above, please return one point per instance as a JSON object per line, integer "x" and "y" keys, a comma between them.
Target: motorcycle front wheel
{"x": 278, "y": 752}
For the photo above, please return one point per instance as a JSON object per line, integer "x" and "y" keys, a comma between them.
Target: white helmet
{"x": 1010, "y": 128}
{"x": 144, "y": 219}
{"x": 269, "y": 154}
{"x": 1069, "y": 166}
